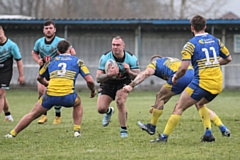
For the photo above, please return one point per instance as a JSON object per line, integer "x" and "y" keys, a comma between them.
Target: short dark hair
{"x": 154, "y": 57}
{"x": 198, "y": 22}
{"x": 63, "y": 46}
{"x": 1, "y": 28}
{"x": 118, "y": 37}
{"x": 48, "y": 22}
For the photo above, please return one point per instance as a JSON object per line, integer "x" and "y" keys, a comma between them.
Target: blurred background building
{"x": 147, "y": 27}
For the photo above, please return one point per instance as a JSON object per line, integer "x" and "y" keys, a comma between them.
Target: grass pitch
{"x": 56, "y": 142}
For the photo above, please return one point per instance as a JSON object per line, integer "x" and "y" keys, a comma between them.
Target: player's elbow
{"x": 34, "y": 53}
{"x": 229, "y": 59}
{"x": 98, "y": 79}
{"x": 39, "y": 78}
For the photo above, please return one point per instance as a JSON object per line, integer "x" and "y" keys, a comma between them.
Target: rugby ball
{"x": 110, "y": 62}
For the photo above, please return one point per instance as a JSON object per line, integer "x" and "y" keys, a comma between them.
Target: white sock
{"x": 9, "y": 117}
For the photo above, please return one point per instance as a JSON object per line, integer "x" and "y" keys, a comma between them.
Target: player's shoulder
{"x": 11, "y": 43}
{"x": 40, "y": 40}
{"x": 73, "y": 58}
{"x": 130, "y": 56}
{"x": 59, "y": 38}
{"x": 193, "y": 39}
{"x": 160, "y": 61}
{"x": 107, "y": 55}
{"x": 214, "y": 38}
{"x": 129, "y": 53}
{"x": 79, "y": 61}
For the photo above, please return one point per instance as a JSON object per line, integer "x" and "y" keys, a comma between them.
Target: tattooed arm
{"x": 101, "y": 76}
{"x": 142, "y": 76}
{"x": 131, "y": 72}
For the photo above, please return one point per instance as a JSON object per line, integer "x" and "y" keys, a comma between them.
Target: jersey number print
{"x": 208, "y": 63}
{"x": 63, "y": 67}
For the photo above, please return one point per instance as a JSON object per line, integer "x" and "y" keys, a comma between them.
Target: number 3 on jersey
{"x": 63, "y": 67}
{"x": 215, "y": 60}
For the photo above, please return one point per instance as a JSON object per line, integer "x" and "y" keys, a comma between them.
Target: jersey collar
{"x": 201, "y": 34}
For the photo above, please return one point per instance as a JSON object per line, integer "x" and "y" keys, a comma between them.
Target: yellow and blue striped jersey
{"x": 63, "y": 71}
{"x": 203, "y": 51}
{"x": 165, "y": 67}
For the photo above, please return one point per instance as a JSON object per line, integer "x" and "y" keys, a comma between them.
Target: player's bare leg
{"x": 77, "y": 117}
{"x": 8, "y": 116}
{"x": 217, "y": 122}
{"x": 121, "y": 98}
{"x": 41, "y": 91}
{"x": 57, "y": 119}
{"x": 103, "y": 103}
{"x": 2, "y": 96}
{"x": 162, "y": 97}
{"x": 36, "y": 112}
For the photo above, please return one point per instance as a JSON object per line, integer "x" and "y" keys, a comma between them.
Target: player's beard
{"x": 49, "y": 36}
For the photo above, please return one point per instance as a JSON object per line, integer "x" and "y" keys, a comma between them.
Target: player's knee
{"x": 120, "y": 102}
{"x": 178, "y": 109}
{"x": 102, "y": 110}
{"x": 77, "y": 102}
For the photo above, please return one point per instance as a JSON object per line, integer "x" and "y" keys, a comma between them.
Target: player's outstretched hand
{"x": 127, "y": 88}
{"x": 93, "y": 94}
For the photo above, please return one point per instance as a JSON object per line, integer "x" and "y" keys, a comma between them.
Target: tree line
{"x": 104, "y": 9}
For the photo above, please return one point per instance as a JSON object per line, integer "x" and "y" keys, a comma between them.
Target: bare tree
{"x": 161, "y": 9}
{"x": 209, "y": 9}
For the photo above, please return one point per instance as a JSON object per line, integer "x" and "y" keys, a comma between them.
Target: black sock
{"x": 109, "y": 111}
{"x": 125, "y": 128}
{"x": 7, "y": 114}
{"x": 45, "y": 113}
{"x": 58, "y": 114}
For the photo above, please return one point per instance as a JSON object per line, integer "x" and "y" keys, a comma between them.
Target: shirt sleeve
{"x": 102, "y": 62}
{"x": 152, "y": 65}
{"x": 224, "y": 52}
{"x": 36, "y": 46}
{"x": 134, "y": 63}
{"x": 83, "y": 68}
{"x": 16, "y": 52}
{"x": 43, "y": 72}
{"x": 187, "y": 51}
